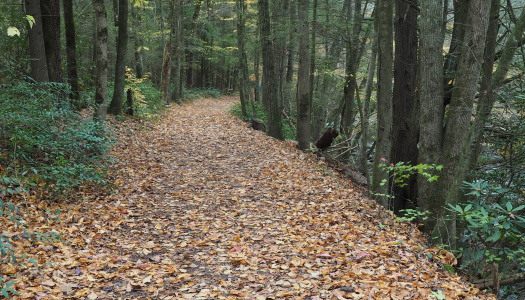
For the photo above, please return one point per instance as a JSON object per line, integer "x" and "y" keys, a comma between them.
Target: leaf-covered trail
{"x": 208, "y": 208}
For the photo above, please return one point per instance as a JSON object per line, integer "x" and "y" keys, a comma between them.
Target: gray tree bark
{"x": 431, "y": 99}
{"x": 71, "y": 56}
{"x": 303, "y": 78}
{"x": 459, "y": 114}
{"x": 120, "y": 65}
{"x": 384, "y": 96}
{"x": 37, "y": 50}
{"x": 270, "y": 80}
{"x": 101, "y": 62}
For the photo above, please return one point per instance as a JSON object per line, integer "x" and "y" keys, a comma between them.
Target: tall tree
{"x": 384, "y": 25}
{"x": 176, "y": 10}
{"x": 303, "y": 78}
{"x": 431, "y": 98}
{"x": 243, "y": 60}
{"x": 270, "y": 79}
{"x": 120, "y": 65}
{"x": 348, "y": 111}
{"x": 37, "y": 51}
{"x": 50, "y": 10}
{"x": 457, "y": 163}
{"x": 101, "y": 62}
{"x": 71, "y": 51}
{"x": 405, "y": 125}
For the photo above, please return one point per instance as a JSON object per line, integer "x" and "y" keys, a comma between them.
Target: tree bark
{"x": 176, "y": 54}
{"x": 303, "y": 78}
{"x": 71, "y": 56}
{"x": 270, "y": 79}
{"x": 37, "y": 51}
{"x": 101, "y": 63}
{"x": 120, "y": 65}
{"x": 384, "y": 96}
{"x": 50, "y": 10}
{"x": 459, "y": 115}
{"x": 348, "y": 111}
{"x": 363, "y": 149}
{"x": 243, "y": 61}
{"x": 166, "y": 62}
{"x": 405, "y": 126}
{"x": 431, "y": 99}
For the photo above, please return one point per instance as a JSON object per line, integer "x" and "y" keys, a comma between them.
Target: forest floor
{"x": 208, "y": 208}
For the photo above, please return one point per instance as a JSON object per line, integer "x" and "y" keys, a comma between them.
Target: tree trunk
{"x": 166, "y": 62}
{"x": 348, "y": 111}
{"x": 120, "y": 66}
{"x": 176, "y": 54}
{"x": 303, "y": 78}
{"x": 37, "y": 51}
{"x": 139, "y": 69}
{"x": 363, "y": 149}
{"x": 243, "y": 61}
{"x": 71, "y": 56}
{"x": 459, "y": 115}
{"x": 50, "y": 10}
{"x": 101, "y": 63}
{"x": 431, "y": 99}
{"x": 405, "y": 126}
{"x": 384, "y": 96}
{"x": 270, "y": 78}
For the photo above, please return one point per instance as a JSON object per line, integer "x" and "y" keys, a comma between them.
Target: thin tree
{"x": 303, "y": 78}
{"x": 101, "y": 62}
{"x": 120, "y": 65}
{"x": 176, "y": 49}
{"x": 384, "y": 96}
{"x": 243, "y": 60}
{"x": 71, "y": 55}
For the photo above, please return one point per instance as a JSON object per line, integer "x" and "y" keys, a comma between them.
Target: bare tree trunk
{"x": 166, "y": 62}
{"x": 71, "y": 56}
{"x": 431, "y": 98}
{"x": 101, "y": 63}
{"x": 37, "y": 50}
{"x": 363, "y": 149}
{"x": 120, "y": 66}
{"x": 270, "y": 78}
{"x": 243, "y": 61}
{"x": 303, "y": 78}
{"x": 405, "y": 110}
{"x": 384, "y": 96}
{"x": 176, "y": 25}
{"x": 50, "y": 10}
{"x": 459, "y": 114}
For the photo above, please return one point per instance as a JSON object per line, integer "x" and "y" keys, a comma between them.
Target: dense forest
{"x": 424, "y": 98}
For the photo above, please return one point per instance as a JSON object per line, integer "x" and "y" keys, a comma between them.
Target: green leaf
{"x": 30, "y": 20}
{"x": 33, "y": 260}
{"x": 494, "y": 237}
{"x": 509, "y": 206}
{"x": 12, "y": 31}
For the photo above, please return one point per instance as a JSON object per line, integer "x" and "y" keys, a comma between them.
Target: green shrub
{"x": 289, "y": 132}
{"x": 43, "y": 141}
{"x": 147, "y": 99}
{"x": 202, "y": 93}
{"x": 492, "y": 227}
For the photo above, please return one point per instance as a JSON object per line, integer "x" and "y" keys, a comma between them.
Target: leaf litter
{"x": 208, "y": 208}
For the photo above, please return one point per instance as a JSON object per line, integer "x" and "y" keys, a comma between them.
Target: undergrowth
{"x": 289, "y": 132}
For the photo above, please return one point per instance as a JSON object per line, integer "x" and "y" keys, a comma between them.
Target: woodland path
{"x": 208, "y": 208}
